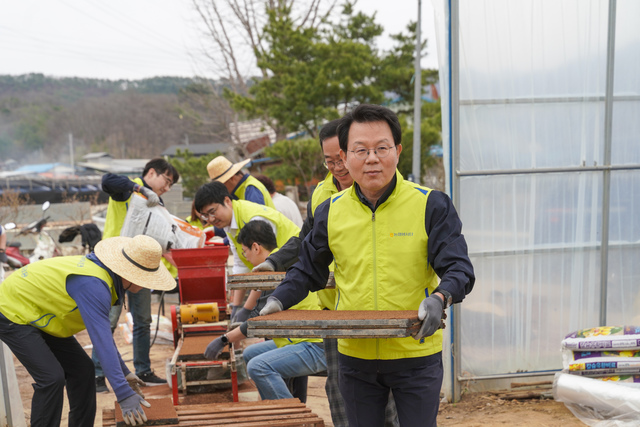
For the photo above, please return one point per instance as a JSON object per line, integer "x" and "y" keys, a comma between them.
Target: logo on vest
{"x": 400, "y": 234}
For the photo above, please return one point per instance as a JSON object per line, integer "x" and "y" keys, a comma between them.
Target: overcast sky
{"x": 134, "y": 39}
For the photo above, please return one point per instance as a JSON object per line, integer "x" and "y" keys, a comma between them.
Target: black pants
{"x": 53, "y": 363}
{"x": 416, "y": 392}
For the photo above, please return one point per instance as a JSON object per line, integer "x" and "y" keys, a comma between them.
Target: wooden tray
{"x": 284, "y": 412}
{"x": 263, "y": 281}
{"x": 335, "y": 324}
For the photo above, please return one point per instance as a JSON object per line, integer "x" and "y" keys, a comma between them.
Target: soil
{"x": 475, "y": 409}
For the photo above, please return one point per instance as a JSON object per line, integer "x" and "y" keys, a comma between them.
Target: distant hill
{"x": 126, "y": 118}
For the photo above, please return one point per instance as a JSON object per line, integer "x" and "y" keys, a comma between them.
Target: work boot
{"x": 101, "y": 385}
{"x": 151, "y": 379}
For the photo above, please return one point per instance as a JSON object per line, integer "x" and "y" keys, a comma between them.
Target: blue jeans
{"x": 140, "y": 308}
{"x": 268, "y": 365}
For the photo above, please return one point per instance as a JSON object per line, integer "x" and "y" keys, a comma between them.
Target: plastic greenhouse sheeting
{"x": 535, "y": 170}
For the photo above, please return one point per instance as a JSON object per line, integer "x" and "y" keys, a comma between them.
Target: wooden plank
{"x": 329, "y": 333}
{"x": 335, "y": 324}
{"x": 263, "y": 281}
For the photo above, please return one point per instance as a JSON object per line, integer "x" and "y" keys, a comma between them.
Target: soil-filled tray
{"x": 335, "y": 324}
{"x": 161, "y": 412}
{"x": 263, "y": 281}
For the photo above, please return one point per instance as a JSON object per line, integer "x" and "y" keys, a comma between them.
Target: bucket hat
{"x": 136, "y": 259}
{"x": 221, "y": 169}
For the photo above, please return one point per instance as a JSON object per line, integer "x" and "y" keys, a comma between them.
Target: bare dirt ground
{"x": 475, "y": 409}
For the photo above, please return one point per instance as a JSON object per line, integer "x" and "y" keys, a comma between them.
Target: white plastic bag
{"x": 170, "y": 231}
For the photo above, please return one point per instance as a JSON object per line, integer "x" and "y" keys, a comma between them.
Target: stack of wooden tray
{"x": 335, "y": 324}
{"x": 263, "y": 281}
{"x": 284, "y": 412}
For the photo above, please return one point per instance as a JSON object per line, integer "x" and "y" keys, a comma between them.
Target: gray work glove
{"x": 152, "y": 198}
{"x": 234, "y": 311}
{"x": 132, "y": 412}
{"x": 241, "y": 315}
{"x": 273, "y": 305}
{"x": 431, "y": 312}
{"x": 264, "y": 266}
{"x": 135, "y": 383}
{"x": 214, "y": 349}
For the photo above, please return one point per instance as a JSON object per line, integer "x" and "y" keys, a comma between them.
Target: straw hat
{"x": 221, "y": 169}
{"x": 136, "y": 259}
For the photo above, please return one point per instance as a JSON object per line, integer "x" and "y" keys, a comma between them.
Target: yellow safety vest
{"x": 324, "y": 190}
{"x": 244, "y": 211}
{"x": 116, "y": 212}
{"x": 242, "y": 189}
{"x": 381, "y": 264}
{"x": 36, "y": 295}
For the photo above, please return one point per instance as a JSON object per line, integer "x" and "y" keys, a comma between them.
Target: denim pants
{"x": 140, "y": 307}
{"x": 268, "y": 366}
{"x": 53, "y": 363}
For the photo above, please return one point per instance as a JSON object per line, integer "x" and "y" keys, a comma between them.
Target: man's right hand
{"x": 132, "y": 412}
{"x": 152, "y": 198}
{"x": 273, "y": 305}
{"x": 214, "y": 349}
{"x": 264, "y": 266}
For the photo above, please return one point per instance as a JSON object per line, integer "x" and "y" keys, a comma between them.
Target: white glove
{"x": 273, "y": 305}
{"x": 152, "y": 198}
{"x": 264, "y": 266}
{"x": 135, "y": 383}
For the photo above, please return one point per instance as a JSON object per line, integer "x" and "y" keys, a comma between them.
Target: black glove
{"x": 214, "y": 349}
{"x": 273, "y": 305}
{"x": 3, "y": 256}
{"x": 431, "y": 312}
{"x": 242, "y": 315}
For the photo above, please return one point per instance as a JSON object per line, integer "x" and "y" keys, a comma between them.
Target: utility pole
{"x": 73, "y": 169}
{"x": 417, "y": 101}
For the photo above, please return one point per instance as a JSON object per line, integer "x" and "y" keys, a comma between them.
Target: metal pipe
{"x": 417, "y": 101}
{"x": 546, "y": 100}
{"x": 511, "y": 375}
{"x": 595, "y": 168}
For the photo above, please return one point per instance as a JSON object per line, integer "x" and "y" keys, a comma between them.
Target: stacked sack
{"x": 610, "y": 353}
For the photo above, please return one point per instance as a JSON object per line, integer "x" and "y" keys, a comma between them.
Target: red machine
{"x": 203, "y": 297}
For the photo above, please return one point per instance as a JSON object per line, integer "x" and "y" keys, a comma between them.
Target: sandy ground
{"x": 475, "y": 409}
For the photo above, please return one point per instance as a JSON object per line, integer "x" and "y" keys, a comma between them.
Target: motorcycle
{"x": 14, "y": 258}
{"x": 46, "y": 246}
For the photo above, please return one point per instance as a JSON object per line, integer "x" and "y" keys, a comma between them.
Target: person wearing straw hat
{"x": 45, "y": 303}
{"x": 241, "y": 185}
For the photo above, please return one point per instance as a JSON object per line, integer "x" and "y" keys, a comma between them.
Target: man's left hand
{"x": 135, "y": 383}
{"x": 431, "y": 312}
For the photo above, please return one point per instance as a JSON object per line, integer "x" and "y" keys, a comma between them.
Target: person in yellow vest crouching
{"x": 44, "y": 304}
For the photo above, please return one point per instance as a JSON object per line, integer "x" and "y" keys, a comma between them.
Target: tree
{"x": 313, "y": 73}
{"x": 192, "y": 170}
{"x": 302, "y": 161}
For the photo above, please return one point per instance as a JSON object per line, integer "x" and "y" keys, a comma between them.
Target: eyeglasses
{"x": 168, "y": 180}
{"x": 330, "y": 164}
{"x": 211, "y": 215}
{"x": 381, "y": 152}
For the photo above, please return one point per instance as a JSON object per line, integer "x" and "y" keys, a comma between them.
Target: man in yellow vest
{"x": 157, "y": 178}
{"x": 241, "y": 186}
{"x": 337, "y": 179}
{"x": 216, "y": 206}
{"x": 272, "y": 364}
{"x": 391, "y": 240}
{"x": 45, "y": 303}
